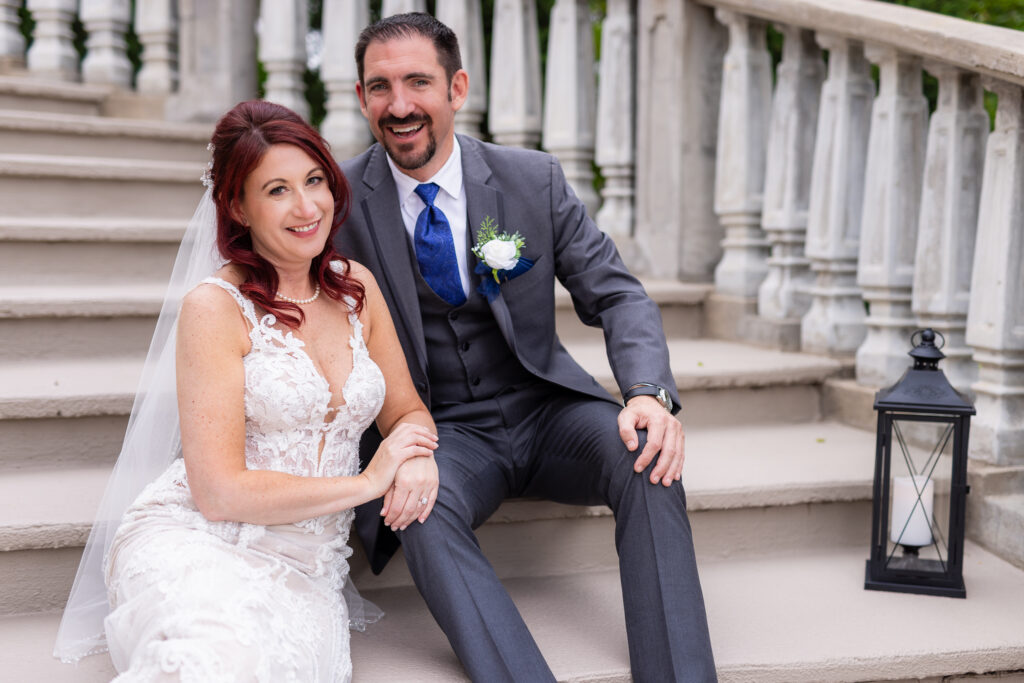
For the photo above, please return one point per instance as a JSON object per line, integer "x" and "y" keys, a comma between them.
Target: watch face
{"x": 666, "y": 400}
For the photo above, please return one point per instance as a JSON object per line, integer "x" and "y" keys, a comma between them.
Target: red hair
{"x": 240, "y": 140}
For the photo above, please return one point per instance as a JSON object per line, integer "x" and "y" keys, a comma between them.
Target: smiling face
{"x": 287, "y": 205}
{"x": 409, "y": 103}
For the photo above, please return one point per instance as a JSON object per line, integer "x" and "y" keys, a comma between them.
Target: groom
{"x": 515, "y": 414}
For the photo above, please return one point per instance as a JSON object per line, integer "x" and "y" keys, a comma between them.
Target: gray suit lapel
{"x": 383, "y": 217}
{"x": 484, "y": 200}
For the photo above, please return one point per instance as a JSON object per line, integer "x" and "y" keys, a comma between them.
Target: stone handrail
{"x": 981, "y": 48}
{"x": 849, "y": 215}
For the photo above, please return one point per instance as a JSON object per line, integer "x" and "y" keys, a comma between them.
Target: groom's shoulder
{"x": 501, "y": 156}
{"x": 354, "y": 167}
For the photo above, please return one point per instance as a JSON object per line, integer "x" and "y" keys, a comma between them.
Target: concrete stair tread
{"x": 113, "y": 299}
{"x": 47, "y": 509}
{"x": 99, "y": 229}
{"x": 765, "y": 465}
{"x": 716, "y": 364}
{"x": 99, "y": 168}
{"x": 68, "y": 388}
{"x": 82, "y": 124}
{"x": 696, "y": 363}
{"x": 798, "y": 618}
{"x": 795, "y": 464}
{"x": 29, "y": 86}
{"x": 660, "y": 291}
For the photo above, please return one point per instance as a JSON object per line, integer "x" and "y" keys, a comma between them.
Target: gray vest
{"x": 467, "y": 357}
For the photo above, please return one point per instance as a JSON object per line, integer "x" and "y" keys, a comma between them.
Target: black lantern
{"x": 920, "y": 487}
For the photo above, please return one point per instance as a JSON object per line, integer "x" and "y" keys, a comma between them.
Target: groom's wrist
{"x": 660, "y": 394}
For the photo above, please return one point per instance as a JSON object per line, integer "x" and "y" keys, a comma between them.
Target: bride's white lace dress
{"x": 195, "y": 600}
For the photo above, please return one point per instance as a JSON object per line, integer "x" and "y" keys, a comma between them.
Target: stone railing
{"x": 848, "y": 216}
{"x": 831, "y": 214}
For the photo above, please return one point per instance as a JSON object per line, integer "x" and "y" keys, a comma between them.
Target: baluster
{"x": 787, "y": 186}
{"x": 514, "y": 106}
{"x": 344, "y": 126}
{"x": 391, "y": 7}
{"x": 217, "y": 58}
{"x": 282, "y": 49}
{"x": 949, "y": 216}
{"x": 569, "y": 97}
{"x": 156, "y": 23}
{"x": 679, "y": 74}
{"x": 892, "y": 197}
{"x": 835, "y": 322}
{"x": 52, "y": 54}
{"x": 742, "y": 134}
{"x": 995, "y": 321}
{"x": 12, "y": 44}
{"x": 106, "y": 59}
{"x": 465, "y": 18}
{"x": 615, "y": 126}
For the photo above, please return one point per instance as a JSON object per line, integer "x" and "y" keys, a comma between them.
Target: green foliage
{"x": 1008, "y": 13}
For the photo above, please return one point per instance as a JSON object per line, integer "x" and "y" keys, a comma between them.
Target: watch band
{"x": 648, "y": 389}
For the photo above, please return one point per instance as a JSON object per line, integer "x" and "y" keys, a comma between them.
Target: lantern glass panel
{"x": 918, "y": 519}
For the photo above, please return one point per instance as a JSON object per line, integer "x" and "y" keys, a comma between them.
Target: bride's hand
{"x": 405, "y": 441}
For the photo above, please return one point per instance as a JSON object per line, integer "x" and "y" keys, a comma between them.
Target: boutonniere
{"x": 500, "y": 257}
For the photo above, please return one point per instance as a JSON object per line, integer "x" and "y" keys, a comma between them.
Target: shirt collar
{"x": 448, "y": 177}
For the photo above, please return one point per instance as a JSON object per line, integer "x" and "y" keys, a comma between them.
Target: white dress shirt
{"x": 451, "y": 200}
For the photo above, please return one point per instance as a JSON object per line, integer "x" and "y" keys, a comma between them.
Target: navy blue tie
{"x": 435, "y": 249}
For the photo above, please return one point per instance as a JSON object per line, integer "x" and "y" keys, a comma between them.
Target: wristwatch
{"x": 647, "y": 389}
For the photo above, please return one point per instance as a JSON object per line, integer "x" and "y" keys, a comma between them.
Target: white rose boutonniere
{"x": 500, "y": 257}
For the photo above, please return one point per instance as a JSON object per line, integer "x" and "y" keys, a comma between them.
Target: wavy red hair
{"x": 241, "y": 138}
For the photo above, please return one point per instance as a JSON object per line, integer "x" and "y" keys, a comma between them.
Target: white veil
{"x": 152, "y": 441}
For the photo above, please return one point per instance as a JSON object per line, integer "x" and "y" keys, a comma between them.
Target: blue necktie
{"x": 435, "y": 249}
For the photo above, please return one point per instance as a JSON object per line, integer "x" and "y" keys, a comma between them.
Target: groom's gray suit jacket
{"x": 523, "y": 191}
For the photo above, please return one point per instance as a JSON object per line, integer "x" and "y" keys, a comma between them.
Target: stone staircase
{"x": 780, "y": 452}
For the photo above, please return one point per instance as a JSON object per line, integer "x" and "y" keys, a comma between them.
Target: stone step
{"x": 76, "y": 252}
{"x": 25, "y": 93}
{"x": 681, "y": 305}
{"x": 34, "y": 185}
{"x": 807, "y": 486}
{"x": 798, "y": 618}
{"x": 53, "y": 322}
{"x": 997, "y": 522}
{"x": 722, "y": 383}
{"x": 90, "y": 309}
{"x": 83, "y": 135}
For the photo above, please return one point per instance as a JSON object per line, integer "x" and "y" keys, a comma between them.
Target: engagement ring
{"x": 423, "y": 500}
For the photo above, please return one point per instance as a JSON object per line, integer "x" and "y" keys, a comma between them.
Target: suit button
{"x": 464, "y": 346}
{"x": 454, "y": 315}
{"x": 476, "y": 381}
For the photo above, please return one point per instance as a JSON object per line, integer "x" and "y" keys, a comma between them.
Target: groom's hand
{"x": 415, "y": 480}
{"x": 664, "y": 435}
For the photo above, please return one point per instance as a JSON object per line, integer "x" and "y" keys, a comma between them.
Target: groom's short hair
{"x": 406, "y": 26}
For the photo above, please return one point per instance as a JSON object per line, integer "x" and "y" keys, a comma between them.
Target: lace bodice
{"x": 287, "y": 413}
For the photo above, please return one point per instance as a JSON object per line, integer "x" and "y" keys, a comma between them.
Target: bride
{"x": 230, "y": 564}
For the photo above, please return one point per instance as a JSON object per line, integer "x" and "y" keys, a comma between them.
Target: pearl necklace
{"x": 300, "y": 302}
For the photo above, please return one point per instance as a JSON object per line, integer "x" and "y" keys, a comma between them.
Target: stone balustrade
{"x": 832, "y": 211}
{"x": 872, "y": 206}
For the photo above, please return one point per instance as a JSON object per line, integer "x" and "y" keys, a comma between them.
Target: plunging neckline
{"x": 262, "y": 332}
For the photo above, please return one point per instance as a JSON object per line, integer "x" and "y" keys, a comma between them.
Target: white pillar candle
{"x": 918, "y": 530}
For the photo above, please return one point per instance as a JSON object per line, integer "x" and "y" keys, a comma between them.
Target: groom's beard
{"x": 407, "y": 158}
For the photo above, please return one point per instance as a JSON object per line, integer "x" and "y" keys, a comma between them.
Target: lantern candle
{"x": 911, "y": 520}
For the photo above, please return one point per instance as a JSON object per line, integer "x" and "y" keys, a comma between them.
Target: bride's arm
{"x": 212, "y": 339}
{"x": 416, "y": 480}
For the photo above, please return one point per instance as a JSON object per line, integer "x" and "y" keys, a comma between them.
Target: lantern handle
{"x": 916, "y": 341}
